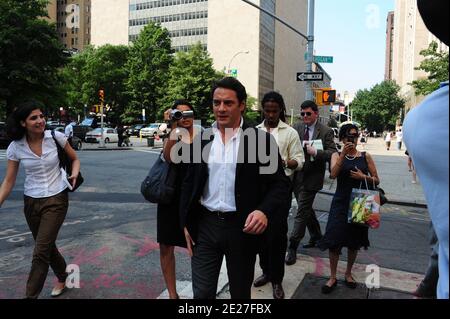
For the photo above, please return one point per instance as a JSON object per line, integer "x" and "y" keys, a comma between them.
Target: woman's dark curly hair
{"x": 345, "y": 129}
{"x": 14, "y": 129}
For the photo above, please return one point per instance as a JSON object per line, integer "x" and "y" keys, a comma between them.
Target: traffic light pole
{"x": 309, "y": 38}
{"x": 310, "y": 60}
{"x": 102, "y": 139}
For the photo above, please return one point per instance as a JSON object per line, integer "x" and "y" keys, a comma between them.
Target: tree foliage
{"x": 94, "y": 69}
{"x": 191, "y": 77}
{"x": 378, "y": 108}
{"x": 148, "y": 65}
{"x": 30, "y": 53}
{"x": 436, "y": 65}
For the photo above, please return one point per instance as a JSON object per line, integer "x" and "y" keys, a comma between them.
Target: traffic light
{"x": 328, "y": 96}
{"x": 101, "y": 94}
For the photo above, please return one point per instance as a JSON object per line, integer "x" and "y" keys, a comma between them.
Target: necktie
{"x": 306, "y": 136}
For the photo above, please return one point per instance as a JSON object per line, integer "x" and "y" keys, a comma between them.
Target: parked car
{"x": 151, "y": 130}
{"x": 77, "y": 144}
{"x": 109, "y": 134}
{"x": 4, "y": 139}
{"x": 134, "y": 130}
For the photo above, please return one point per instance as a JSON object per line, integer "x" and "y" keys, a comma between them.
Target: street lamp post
{"x": 231, "y": 61}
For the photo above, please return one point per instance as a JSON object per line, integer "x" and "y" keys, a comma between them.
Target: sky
{"x": 354, "y": 33}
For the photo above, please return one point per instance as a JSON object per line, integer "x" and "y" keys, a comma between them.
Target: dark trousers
{"x": 45, "y": 217}
{"x": 305, "y": 218}
{"x": 273, "y": 248}
{"x": 218, "y": 238}
{"x": 428, "y": 286}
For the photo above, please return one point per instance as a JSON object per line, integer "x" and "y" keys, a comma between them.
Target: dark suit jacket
{"x": 311, "y": 177}
{"x": 253, "y": 191}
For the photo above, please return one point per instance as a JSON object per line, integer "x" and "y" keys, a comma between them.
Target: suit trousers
{"x": 273, "y": 249}
{"x": 220, "y": 236}
{"x": 305, "y": 218}
{"x": 45, "y": 217}
{"x": 429, "y": 283}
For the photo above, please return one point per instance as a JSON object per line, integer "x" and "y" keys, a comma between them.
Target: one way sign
{"x": 310, "y": 76}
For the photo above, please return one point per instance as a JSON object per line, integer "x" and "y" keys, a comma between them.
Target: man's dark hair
{"x": 177, "y": 103}
{"x": 277, "y": 98}
{"x": 14, "y": 129}
{"x": 435, "y": 15}
{"x": 310, "y": 104}
{"x": 231, "y": 84}
{"x": 345, "y": 129}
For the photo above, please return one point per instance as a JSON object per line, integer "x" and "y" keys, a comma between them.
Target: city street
{"x": 110, "y": 233}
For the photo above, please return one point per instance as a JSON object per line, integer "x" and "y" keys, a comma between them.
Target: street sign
{"x": 234, "y": 73}
{"x": 310, "y": 76}
{"x": 323, "y": 59}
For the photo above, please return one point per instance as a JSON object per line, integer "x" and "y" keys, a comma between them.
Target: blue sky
{"x": 354, "y": 33}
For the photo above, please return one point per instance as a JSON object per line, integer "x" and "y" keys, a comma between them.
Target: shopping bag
{"x": 364, "y": 208}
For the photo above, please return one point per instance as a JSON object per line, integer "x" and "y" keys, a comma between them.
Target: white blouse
{"x": 43, "y": 176}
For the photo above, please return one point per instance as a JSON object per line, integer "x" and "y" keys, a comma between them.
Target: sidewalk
{"x": 136, "y": 143}
{"x": 392, "y": 168}
{"x": 305, "y": 279}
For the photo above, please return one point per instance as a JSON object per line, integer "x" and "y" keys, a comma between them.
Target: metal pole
{"x": 276, "y": 18}
{"x": 310, "y": 60}
{"x": 231, "y": 61}
{"x": 102, "y": 140}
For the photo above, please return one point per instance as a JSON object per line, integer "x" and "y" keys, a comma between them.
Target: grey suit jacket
{"x": 311, "y": 177}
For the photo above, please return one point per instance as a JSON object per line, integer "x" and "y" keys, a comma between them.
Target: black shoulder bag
{"x": 160, "y": 185}
{"x": 66, "y": 163}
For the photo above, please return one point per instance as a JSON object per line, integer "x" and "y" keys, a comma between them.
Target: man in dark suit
{"x": 309, "y": 180}
{"x": 229, "y": 195}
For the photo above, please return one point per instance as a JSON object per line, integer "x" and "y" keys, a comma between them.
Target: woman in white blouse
{"x": 45, "y": 192}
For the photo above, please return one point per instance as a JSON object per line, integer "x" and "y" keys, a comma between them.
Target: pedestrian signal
{"x": 329, "y": 96}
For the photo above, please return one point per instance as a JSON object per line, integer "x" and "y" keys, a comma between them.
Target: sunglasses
{"x": 303, "y": 114}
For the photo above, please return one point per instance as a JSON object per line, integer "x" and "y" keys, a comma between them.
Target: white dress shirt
{"x": 219, "y": 192}
{"x": 289, "y": 145}
{"x": 43, "y": 176}
{"x": 69, "y": 130}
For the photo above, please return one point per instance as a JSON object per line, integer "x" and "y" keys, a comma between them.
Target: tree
{"x": 30, "y": 53}
{"x": 378, "y": 108}
{"x": 436, "y": 65}
{"x": 94, "y": 69}
{"x": 148, "y": 65}
{"x": 191, "y": 77}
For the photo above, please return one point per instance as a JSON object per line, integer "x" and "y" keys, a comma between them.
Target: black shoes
{"x": 351, "y": 284}
{"x": 328, "y": 289}
{"x": 261, "y": 281}
{"x": 291, "y": 257}
{"x": 278, "y": 291}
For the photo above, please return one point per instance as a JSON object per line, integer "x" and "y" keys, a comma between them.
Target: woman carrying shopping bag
{"x": 45, "y": 191}
{"x": 351, "y": 168}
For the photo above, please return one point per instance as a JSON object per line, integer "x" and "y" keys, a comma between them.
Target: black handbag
{"x": 66, "y": 163}
{"x": 160, "y": 184}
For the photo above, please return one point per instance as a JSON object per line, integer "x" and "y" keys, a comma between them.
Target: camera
{"x": 177, "y": 115}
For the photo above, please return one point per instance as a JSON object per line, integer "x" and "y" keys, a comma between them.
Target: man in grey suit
{"x": 309, "y": 180}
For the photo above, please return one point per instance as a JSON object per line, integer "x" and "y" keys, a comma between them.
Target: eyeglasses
{"x": 303, "y": 114}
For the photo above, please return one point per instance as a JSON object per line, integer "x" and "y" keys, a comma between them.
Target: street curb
{"x": 392, "y": 202}
{"x": 106, "y": 149}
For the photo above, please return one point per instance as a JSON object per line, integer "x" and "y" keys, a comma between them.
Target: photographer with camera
{"x": 169, "y": 232}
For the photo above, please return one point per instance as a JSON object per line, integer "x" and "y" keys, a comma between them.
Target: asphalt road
{"x": 110, "y": 234}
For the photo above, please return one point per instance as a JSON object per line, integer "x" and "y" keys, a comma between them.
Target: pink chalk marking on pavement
{"x": 320, "y": 266}
{"x": 107, "y": 281}
{"x": 83, "y": 257}
{"x": 147, "y": 245}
